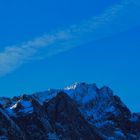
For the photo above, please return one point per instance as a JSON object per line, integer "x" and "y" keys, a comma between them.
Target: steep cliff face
{"x": 79, "y": 112}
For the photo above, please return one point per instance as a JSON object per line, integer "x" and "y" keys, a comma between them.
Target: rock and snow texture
{"x": 78, "y": 112}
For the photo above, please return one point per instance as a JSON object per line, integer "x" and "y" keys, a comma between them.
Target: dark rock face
{"x": 12, "y": 131}
{"x": 67, "y": 120}
{"x": 78, "y": 112}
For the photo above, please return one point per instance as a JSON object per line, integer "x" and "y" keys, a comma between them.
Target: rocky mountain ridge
{"x": 78, "y": 112}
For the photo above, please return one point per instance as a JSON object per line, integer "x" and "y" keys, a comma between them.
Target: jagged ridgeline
{"x": 79, "y": 112}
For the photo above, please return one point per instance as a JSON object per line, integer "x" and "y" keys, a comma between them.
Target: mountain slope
{"x": 79, "y": 112}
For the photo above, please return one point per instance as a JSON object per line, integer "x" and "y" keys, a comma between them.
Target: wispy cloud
{"x": 113, "y": 20}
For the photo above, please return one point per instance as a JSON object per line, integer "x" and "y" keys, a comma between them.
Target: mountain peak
{"x": 79, "y": 85}
{"x": 78, "y": 111}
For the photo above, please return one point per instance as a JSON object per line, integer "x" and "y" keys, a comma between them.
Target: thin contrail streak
{"x": 115, "y": 19}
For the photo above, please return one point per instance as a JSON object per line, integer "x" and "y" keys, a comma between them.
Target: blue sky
{"x": 55, "y": 43}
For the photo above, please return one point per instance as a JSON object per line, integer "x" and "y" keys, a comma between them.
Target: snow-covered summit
{"x": 81, "y": 92}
